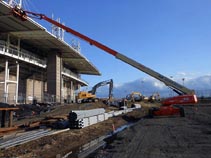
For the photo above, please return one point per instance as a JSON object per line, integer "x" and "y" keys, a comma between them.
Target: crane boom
{"x": 178, "y": 88}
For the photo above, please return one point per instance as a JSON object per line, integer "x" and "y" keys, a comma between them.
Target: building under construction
{"x": 37, "y": 65}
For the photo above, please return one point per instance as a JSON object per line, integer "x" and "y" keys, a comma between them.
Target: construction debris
{"x": 42, "y": 147}
{"x": 29, "y": 110}
{"x": 25, "y": 137}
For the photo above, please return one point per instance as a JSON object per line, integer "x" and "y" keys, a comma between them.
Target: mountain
{"x": 148, "y": 86}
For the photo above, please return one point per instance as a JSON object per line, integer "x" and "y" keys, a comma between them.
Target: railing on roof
{"x": 65, "y": 70}
{"x": 22, "y": 55}
{"x": 68, "y": 73}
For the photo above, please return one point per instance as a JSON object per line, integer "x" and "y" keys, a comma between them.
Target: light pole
{"x": 142, "y": 86}
{"x": 183, "y": 81}
{"x": 171, "y": 92}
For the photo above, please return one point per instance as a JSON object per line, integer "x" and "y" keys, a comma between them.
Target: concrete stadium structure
{"x": 35, "y": 65}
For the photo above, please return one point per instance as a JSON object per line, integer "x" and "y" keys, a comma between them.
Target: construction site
{"x": 45, "y": 114}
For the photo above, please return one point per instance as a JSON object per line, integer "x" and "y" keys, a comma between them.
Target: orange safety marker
{"x": 113, "y": 127}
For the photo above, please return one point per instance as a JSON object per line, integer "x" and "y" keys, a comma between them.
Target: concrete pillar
{"x": 33, "y": 86}
{"x": 7, "y": 86}
{"x": 62, "y": 90}
{"x": 42, "y": 88}
{"x": 54, "y": 69}
{"x": 8, "y": 42}
{"x": 61, "y": 79}
{"x": 19, "y": 44}
{"x": 17, "y": 84}
{"x": 11, "y": 118}
{"x": 5, "y": 82}
{"x": 71, "y": 91}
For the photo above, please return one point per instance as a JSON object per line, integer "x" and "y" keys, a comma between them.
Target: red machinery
{"x": 181, "y": 99}
{"x": 166, "y": 111}
{"x": 186, "y": 96}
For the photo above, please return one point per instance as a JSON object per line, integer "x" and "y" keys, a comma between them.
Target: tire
{"x": 151, "y": 113}
{"x": 95, "y": 100}
{"x": 182, "y": 112}
{"x": 72, "y": 116}
{"x": 79, "y": 101}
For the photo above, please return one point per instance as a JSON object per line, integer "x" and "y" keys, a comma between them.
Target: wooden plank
{"x": 8, "y": 129}
{"x": 8, "y": 109}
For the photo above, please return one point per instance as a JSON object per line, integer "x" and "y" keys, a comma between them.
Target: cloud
{"x": 148, "y": 86}
{"x": 159, "y": 85}
{"x": 184, "y": 75}
{"x": 200, "y": 83}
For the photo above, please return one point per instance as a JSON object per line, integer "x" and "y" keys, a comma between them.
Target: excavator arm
{"x": 103, "y": 83}
{"x": 180, "y": 89}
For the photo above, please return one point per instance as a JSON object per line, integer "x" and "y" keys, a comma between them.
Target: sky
{"x": 171, "y": 37}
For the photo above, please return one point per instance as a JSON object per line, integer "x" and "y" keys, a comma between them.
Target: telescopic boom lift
{"x": 186, "y": 96}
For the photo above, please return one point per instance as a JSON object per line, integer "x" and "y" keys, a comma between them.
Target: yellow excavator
{"x": 90, "y": 96}
{"x": 84, "y": 97}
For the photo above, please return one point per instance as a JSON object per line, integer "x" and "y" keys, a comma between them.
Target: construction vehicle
{"x": 134, "y": 97}
{"x": 154, "y": 97}
{"x": 137, "y": 97}
{"x": 186, "y": 96}
{"x": 90, "y": 96}
{"x": 166, "y": 111}
{"x": 103, "y": 83}
{"x": 84, "y": 97}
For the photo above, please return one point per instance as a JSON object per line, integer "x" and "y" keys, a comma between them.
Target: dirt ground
{"x": 60, "y": 144}
{"x": 166, "y": 137}
{"x": 171, "y": 137}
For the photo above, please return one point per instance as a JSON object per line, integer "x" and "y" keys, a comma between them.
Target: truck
{"x": 185, "y": 95}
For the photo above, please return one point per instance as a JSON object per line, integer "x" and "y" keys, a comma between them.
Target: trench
{"x": 96, "y": 146}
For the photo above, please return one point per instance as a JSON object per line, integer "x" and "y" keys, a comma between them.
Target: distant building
{"x": 35, "y": 65}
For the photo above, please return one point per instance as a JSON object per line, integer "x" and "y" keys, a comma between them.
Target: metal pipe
{"x": 80, "y": 114}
